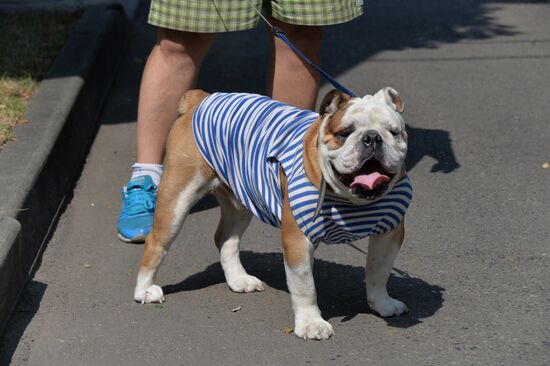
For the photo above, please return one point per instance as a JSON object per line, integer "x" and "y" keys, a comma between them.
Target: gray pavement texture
{"x": 474, "y": 268}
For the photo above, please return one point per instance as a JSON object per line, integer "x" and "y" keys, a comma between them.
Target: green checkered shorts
{"x": 212, "y": 16}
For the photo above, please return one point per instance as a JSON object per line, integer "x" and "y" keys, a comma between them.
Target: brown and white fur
{"x": 187, "y": 178}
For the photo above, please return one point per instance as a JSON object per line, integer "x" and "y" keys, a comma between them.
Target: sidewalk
{"x": 474, "y": 267}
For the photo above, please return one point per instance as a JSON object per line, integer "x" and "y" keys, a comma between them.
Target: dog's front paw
{"x": 152, "y": 294}
{"x": 387, "y": 306}
{"x": 245, "y": 283}
{"x": 313, "y": 328}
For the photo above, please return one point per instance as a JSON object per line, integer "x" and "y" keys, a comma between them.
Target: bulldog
{"x": 332, "y": 177}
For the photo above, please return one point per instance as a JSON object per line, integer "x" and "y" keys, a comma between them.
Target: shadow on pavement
{"x": 232, "y": 65}
{"x": 401, "y": 24}
{"x": 436, "y": 144}
{"x": 26, "y": 309}
{"x": 340, "y": 288}
{"x": 206, "y": 203}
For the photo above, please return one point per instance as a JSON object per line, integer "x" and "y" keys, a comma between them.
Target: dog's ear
{"x": 332, "y": 102}
{"x": 391, "y": 96}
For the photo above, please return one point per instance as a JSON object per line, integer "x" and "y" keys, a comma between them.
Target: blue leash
{"x": 277, "y": 32}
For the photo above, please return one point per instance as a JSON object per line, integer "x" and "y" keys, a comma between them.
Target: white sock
{"x": 152, "y": 170}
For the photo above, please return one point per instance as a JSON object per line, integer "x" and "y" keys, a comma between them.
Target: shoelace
{"x": 139, "y": 200}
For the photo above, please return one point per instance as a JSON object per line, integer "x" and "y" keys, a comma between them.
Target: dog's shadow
{"x": 433, "y": 143}
{"x": 340, "y": 288}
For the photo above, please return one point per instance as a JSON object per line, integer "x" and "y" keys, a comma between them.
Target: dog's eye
{"x": 344, "y": 134}
{"x": 394, "y": 132}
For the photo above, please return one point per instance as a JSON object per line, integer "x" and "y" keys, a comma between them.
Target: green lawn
{"x": 29, "y": 42}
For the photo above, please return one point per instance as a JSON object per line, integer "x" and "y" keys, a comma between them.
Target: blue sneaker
{"x": 138, "y": 208}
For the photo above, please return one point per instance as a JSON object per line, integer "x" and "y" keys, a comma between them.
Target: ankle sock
{"x": 152, "y": 170}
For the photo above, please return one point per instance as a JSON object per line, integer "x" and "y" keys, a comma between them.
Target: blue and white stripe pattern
{"x": 245, "y": 138}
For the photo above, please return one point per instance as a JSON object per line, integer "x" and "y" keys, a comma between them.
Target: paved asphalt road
{"x": 474, "y": 269}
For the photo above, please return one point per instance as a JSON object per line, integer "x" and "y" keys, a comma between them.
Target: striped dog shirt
{"x": 246, "y": 138}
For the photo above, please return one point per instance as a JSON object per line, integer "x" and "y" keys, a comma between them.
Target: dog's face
{"x": 362, "y": 144}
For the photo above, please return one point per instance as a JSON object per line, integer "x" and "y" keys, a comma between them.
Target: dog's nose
{"x": 372, "y": 138}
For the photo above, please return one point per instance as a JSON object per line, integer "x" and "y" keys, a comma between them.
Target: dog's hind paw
{"x": 152, "y": 294}
{"x": 387, "y": 306}
{"x": 245, "y": 283}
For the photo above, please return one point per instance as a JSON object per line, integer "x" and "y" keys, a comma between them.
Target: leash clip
{"x": 277, "y": 31}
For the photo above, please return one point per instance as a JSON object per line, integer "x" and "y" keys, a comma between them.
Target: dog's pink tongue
{"x": 370, "y": 181}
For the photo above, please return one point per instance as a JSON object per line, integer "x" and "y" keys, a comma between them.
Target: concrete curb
{"x": 38, "y": 172}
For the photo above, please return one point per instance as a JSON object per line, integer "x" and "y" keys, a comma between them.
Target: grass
{"x": 29, "y": 42}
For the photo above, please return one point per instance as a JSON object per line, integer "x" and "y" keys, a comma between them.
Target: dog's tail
{"x": 190, "y": 100}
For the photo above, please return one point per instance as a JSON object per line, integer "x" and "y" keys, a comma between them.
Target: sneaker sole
{"x": 136, "y": 240}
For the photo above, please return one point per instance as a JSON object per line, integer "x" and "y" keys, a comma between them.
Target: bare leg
{"x": 171, "y": 69}
{"x": 289, "y": 79}
{"x": 382, "y": 252}
{"x": 233, "y": 222}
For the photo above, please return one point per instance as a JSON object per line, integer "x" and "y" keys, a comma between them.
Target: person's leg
{"x": 171, "y": 70}
{"x": 289, "y": 78}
